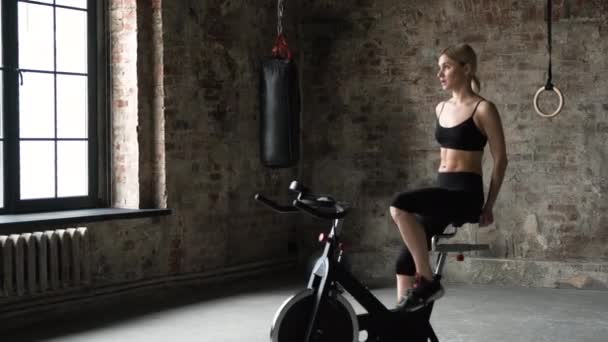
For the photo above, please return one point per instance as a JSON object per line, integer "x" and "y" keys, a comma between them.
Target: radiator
{"x": 40, "y": 262}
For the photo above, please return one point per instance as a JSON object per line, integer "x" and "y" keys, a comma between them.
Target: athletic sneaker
{"x": 423, "y": 293}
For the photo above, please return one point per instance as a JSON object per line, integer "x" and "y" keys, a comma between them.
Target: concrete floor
{"x": 243, "y": 311}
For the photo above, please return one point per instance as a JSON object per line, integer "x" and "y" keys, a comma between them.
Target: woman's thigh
{"x": 434, "y": 202}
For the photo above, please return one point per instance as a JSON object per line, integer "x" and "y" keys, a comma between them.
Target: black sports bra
{"x": 464, "y": 136}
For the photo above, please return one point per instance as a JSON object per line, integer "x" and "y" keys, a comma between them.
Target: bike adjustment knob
{"x": 322, "y": 238}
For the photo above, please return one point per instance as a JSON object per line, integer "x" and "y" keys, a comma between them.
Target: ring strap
{"x": 549, "y": 15}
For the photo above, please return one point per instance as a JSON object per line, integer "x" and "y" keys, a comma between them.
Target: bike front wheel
{"x": 336, "y": 322}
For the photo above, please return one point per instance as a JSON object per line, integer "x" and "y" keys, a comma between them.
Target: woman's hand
{"x": 486, "y": 218}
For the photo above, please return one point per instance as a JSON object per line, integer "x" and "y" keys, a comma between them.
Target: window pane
{"x": 1, "y": 103}
{"x": 71, "y": 40}
{"x": 1, "y": 44}
{"x": 71, "y": 106}
{"x": 1, "y": 174}
{"x": 35, "y": 36}
{"x": 73, "y": 3}
{"x": 36, "y": 106}
{"x": 72, "y": 168}
{"x": 37, "y": 166}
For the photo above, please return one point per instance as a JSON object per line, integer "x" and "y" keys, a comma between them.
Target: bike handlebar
{"x": 273, "y": 205}
{"x": 323, "y": 207}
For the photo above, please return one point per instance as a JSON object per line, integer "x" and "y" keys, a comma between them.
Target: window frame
{"x": 98, "y": 116}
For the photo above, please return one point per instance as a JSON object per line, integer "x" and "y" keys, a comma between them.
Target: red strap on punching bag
{"x": 281, "y": 49}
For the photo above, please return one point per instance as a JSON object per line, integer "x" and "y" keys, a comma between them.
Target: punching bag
{"x": 279, "y": 108}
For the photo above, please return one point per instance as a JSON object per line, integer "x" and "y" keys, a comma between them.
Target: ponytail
{"x": 475, "y": 84}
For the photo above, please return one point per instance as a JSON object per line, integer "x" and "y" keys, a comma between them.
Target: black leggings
{"x": 458, "y": 199}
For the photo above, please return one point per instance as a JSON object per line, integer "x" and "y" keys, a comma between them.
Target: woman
{"x": 465, "y": 123}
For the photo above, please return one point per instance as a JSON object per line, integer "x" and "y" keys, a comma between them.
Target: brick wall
{"x": 208, "y": 54}
{"x": 370, "y": 90}
{"x": 212, "y": 53}
{"x": 123, "y": 65}
{"x": 151, "y": 100}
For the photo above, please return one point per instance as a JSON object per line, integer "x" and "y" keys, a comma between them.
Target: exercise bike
{"x": 321, "y": 313}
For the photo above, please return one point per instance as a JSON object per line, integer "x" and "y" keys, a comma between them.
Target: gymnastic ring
{"x": 559, "y": 107}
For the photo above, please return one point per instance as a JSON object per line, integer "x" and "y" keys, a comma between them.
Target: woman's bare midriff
{"x": 460, "y": 161}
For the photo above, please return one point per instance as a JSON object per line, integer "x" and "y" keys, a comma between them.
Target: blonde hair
{"x": 464, "y": 54}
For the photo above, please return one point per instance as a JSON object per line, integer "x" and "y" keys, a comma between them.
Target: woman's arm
{"x": 492, "y": 126}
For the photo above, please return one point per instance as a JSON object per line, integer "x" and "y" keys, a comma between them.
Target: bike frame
{"x": 329, "y": 274}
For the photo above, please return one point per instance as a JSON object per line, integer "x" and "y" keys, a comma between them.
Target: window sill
{"x": 18, "y": 223}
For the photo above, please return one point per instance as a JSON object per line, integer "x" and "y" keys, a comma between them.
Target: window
{"x": 51, "y": 105}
